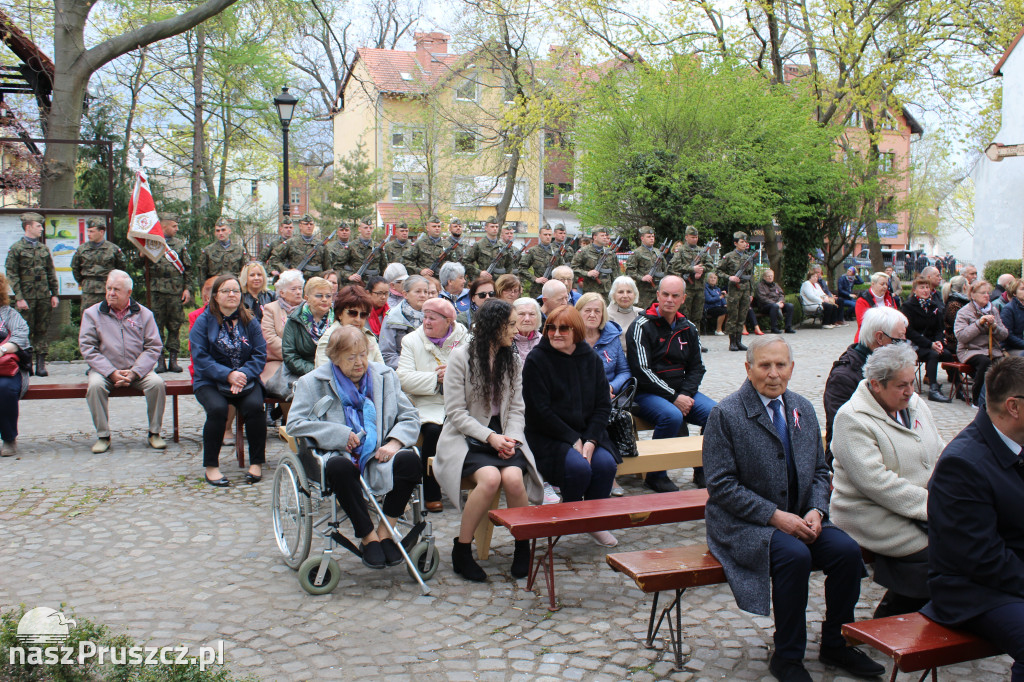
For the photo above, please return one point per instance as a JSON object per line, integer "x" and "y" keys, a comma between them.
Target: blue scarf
{"x": 360, "y": 414}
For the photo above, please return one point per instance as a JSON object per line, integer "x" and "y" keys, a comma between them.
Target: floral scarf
{"x": 230, "y": 340}
{"x": 413, "y": 317}
{"x": 360, "y": 413}
{"x": 315, "y": 329}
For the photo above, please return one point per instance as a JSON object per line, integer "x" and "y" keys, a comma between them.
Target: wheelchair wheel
{"x": 293, "y": 520}
{"x": 420, "y": 559}
{"x": 307, "y": 575}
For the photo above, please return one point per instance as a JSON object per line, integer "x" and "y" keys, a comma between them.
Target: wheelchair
{"x": 301, "y": 494}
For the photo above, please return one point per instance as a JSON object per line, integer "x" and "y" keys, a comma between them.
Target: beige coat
{"x": 467, "y": 415}
{"x": 972, "y": 338}
{"x": 882, "y": 471}
{"x": 320, "y": 358}
{"x": 417, "y": 370}
{"x": 273, "y": 327}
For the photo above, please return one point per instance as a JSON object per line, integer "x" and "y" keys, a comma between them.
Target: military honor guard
{"x": 691, "y": 265}
{"x": 284, "y": 233}
{"x": 34, "y": 281}
{"x": 337, "y": 248}
{"x": 537, "y": 263}
{"x": 737, "y": 267}
{"x": 561, "y": 244}
{"x": 485, "y": 250}
{"x": 458, "y": 254}
{"x": 647, "y": 266}
{"x": 397, "y": 250}
{"x": 223, "y": 256}
{"x": 94, "y": 260}
{"x": 425, "y": 255}
{"x": 358, "y": 251}
{"x": 169, "y": 282}
{"x": 304, "y": 251}
{"x": 595, "y": 264}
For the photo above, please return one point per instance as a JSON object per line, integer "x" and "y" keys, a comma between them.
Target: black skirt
{"x": 477, "y": 460}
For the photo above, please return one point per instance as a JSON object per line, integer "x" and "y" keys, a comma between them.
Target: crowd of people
{"x": 514, "y": 390}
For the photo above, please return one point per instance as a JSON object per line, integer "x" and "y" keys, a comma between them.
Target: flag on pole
{"x": 144, "y": 228}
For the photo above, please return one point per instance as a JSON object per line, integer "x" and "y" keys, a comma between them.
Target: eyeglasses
{"x": 560, "y": 328}
{"x": 235, "y": 292}
{"x": 361, "y": 314}
{"x": 321, "y": 297}
{"x": 893, "y": 339}
{"x": 485, "y": 294}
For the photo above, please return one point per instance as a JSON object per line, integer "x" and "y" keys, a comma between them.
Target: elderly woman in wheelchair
{"x": 356, "y": 414}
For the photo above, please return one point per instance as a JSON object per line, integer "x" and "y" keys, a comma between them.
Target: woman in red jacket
{"x": 875, "y": 296}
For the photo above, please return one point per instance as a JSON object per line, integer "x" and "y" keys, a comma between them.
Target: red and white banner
{"x": 144, "y": 228}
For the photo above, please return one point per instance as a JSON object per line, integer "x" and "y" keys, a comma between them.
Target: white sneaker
{"x": 604, "y": 538}
{"x": 550, "y": 496}
{"x": 718, "y": 333}
{"x": 828, "y": 326}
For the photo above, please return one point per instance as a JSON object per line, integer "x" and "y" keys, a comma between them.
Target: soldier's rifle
{"x": 558, "y": 255}
{"x": 312, "y": 252}
{"x": 700, "y": 255}
{"x": 370, "y": 256}
{"x": 498, "y": 256}
{"x": 609, "y": 250}
{"x": 743, "y": 266}
{"x": 519, "y": 256}
{"x": 444, "y": 255}
{"x": 662, "y": 251}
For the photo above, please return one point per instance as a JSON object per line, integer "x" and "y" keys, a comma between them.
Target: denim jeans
{"x": 668, "y": 421}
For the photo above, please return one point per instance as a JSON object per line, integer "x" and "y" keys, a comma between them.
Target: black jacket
{"x": 925, "y": 324}
{"x": 842, "y": 381}
{"x": 567, "y": 398}
{"x": 665, "y": 360}
{"x": 975, "y": 537}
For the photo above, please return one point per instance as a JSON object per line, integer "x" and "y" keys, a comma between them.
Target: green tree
{"x": 351, "y": 192}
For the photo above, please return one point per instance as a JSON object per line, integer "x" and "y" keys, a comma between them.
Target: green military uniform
{"x": 358, "y": 252}
{"x": 424, "y": 253}
{"x": 397, "y": 252}
{"x": 738, "y": 301}
{"x": 166, "y": 285}
{"x": 336, "y": 255}
{"x": 216, "y": 260}
{"x": 682, "y": 266}
{"x": 33, "y": 279}
{"x": 267, "y": 254}
{"x": 639, "y": 265}
{"x": 482, "y": 253}
{"x": 90, "y": 266}
{"x": 586, "y": 259}
{"x": 295, "y": 251}
{"x": 536, "y": 263}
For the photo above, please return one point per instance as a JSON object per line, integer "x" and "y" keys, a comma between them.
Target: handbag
{"x": 480, "y": 446}
{"x": 282, "y": 384}
{"x": 621, "y": 429}
{"x": 9, "y": 365}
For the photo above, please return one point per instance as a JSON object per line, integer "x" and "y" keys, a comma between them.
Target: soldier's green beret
{"x": 168, "y": 217}
{"x": 737, "y": 236}
{"x": 646, "y": 229}
{"x": 454, "y": 221}
{"x": 691, "y": 230}
{"x": 433, "y": 219}
{"x": 598, "y": 229}
{"x": 401, "y": 226}
{"x": 306, "y": 219}
{"x": 223, "y": 222}
{"x": 492, "y": 219}
{"x": 32, "y": 217}
{"x": 98, "y": 223}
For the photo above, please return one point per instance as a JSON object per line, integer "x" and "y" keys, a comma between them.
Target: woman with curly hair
{"x": 483, "y": 436}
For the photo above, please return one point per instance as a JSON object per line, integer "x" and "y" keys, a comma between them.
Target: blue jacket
{"x": 713, "y": 297}
{"x": 846, "y": 287}
{"x": 1012, "y": 315}
{"x": 609, "y": 349}
{"x": 975, "y": 537}
{"x": 211, "y": 366}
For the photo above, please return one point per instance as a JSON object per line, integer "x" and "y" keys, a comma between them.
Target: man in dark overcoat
{"x": 767, "y": 513}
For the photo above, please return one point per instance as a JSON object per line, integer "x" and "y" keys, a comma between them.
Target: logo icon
{"x": 43, "y": 625}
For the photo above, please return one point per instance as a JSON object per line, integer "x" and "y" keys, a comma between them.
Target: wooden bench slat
{"x": 916, "y": 643}
{"x": 683, "y": 452}
{"x": 656, "y": 570}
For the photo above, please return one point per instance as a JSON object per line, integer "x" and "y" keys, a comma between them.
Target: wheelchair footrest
{"x": 413, "y": 536}
{"x": 346, "y": 543}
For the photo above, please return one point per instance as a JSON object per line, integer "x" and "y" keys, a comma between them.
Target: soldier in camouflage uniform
{"x": 458, "y": 254}
{"x": 169, "y": 281}
{"x": 298, "y": 247}
{"x": 358, "y": 251}
{"x": 584, "y": 264}
{"x": 397, "y": 250}
{"x": 482, "y": 253}
{"x": 561, "y": 241}
{"x": 535, "y": 262}
{"x": 427, "y": 250}
{"x": 284, "y": 233}
{"x": 94, "y": 260}
{"x": 681, "y": 266}
{"x": 336, "y": 251}
{"x": 222, "y": 256}
{"x": 638, "y": 266}
{"x": 738, "y": 301}
{"x": 34, "y": 281}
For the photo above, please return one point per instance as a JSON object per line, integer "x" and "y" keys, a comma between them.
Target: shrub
{"x": 65, "y": 347}
{"x": 994, "y": 268}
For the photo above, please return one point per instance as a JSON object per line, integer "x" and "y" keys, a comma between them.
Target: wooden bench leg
{"x": 546, "y": 562}
{"x": 239, "y": 448}
{"x": 484, "y": 531}
{"x": 675, "y": 631}
{"x": 174, "y": 412}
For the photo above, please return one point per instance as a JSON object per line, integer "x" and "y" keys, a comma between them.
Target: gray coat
{"x": 745, "y": 466}
{"x": 324, "y": 423}
{"x": 467, "y": 415}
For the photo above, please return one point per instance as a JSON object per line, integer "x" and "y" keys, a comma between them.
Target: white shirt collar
{"x": 1014, "y": 446}
{"x": 765, "y": 400}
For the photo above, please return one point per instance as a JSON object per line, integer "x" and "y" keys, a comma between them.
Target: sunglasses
{"x": 485, "y": 294}
{"x": 560, "y": 328}
{"x": 361, "y": 314}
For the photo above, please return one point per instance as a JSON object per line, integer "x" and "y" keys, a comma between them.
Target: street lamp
{"x": 285, "y": 103}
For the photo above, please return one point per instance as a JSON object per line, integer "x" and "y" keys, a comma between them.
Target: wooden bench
{"x": 682, "y": 452}
{"x": 552, "y": 521}
{"x": 916, "y": 644}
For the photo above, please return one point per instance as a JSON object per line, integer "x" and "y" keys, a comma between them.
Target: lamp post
{"x": 285, "y": 103}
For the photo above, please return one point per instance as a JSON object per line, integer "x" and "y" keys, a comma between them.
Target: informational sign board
{"x": 64, "y": 234}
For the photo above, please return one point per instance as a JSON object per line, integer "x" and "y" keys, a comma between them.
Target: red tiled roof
{"x": 387, "y": 66}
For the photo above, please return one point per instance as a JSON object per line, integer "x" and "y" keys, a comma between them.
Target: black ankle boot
{"x": 521, "y": 559}
{"x": 161, "y": 365}
{"x": 41, "y": 365}
{"x": 739, "y": 342}
{"x": 463, "y": 563}
{"x": 734, "y": 343}
{"x": 172, "y": 362}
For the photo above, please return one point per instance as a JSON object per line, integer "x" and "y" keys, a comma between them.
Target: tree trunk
{"x": 198, "y": 152}
{"x": 771, "y": 247}
{"x": 510, "y": 185}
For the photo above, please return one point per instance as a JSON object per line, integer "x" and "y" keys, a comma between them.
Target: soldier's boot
{"x": 172, "y": 362}
{"x": 161, "y": 365}
{"x": 41, "y": 365}
{"x": 739, "y": 342}
{"x": 733, "y": 342}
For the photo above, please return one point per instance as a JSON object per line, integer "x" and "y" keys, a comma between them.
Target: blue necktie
{"x": 779, "y": 421}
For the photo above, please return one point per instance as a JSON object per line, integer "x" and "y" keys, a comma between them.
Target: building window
{"x": 467, "y": 92}
{"x": 398, "y": 190}
{"x": 853, "y": 119}
{"x": 550, "y": 139}
{"x": 296, "y": 196}
{"x": 417, "y": 140}
{"x": 417, "y": 188}
{"x": 398, "y": 139}
{"x": 886, "y": 162}
{"x": 465, "y": 141}
{"x": 254, "y": 189}
{"x": 887, "y": 122}
{"x": 549, "y": 190}
{"x": 564, "y": 188}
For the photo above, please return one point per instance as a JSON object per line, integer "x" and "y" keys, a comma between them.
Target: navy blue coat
{"x": 975, "y": 534}
{"x": 211, "y": 366}
{"x": 1012, "y": 315}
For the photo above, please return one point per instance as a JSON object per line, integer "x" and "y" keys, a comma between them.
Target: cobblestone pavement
{"x": 134, "y": 539}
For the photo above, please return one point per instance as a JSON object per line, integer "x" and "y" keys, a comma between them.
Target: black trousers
{"x": 931, "y": 360}
{"x": 343, "y": 476}
{"x": 774, "y": 313}
{"x": 980, "y": 364}
{"x": 249, "y": 405}
{"x": 429, "y": 432}
{"x": 829, "y": 313}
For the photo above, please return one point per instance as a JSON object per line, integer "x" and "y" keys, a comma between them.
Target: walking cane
{"x": 990, "y": 342}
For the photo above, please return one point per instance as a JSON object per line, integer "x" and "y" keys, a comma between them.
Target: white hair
{"x": 764, "y": 341}
{"x": 526, "y": 300}
{"x": 450, "y": 271}
{"x": 879, "y": 278}
{"x": 883, "y": 363}
{"x": 881, "y": 319}
{"x": 289, "y": 277}
{"x": 619, "y": 281}
{"x": 562, "y": 269}
{"x": 121, "y": 275}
